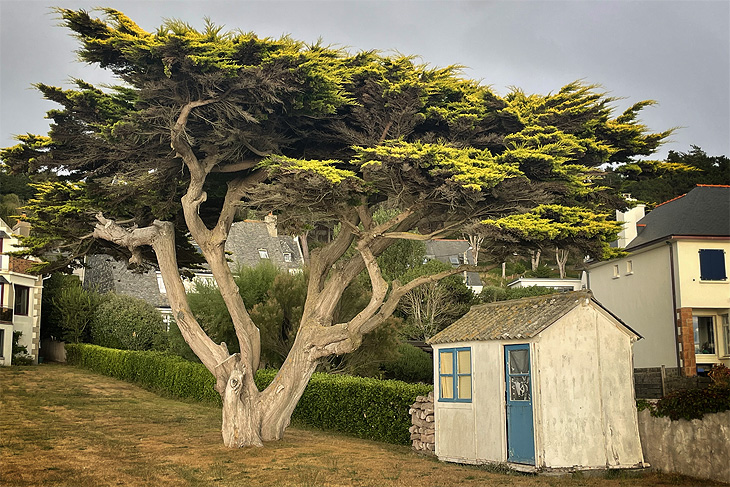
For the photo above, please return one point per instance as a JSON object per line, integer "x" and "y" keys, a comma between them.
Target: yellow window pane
{"x": 465, "y": 387}
{"x": 464, "y": 361}
{"x": 447, "y": 388}
{"x": 447, "y": 362}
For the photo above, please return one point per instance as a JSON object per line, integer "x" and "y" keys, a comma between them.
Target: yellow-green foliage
{"x": 470, "y": 168}
{"x": 554, "y": 222}
{"x": 326, "y": 170}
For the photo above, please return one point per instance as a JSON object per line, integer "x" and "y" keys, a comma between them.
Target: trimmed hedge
{"x": 159, "y": 371}
{"x": 362, "y": 407}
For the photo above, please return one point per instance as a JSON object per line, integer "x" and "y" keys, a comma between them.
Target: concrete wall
{"x": 585, "y": 408}
{"x": 642, "y": 298}
{"x": 698, "y": 448}
{"x": 7, "y": 348}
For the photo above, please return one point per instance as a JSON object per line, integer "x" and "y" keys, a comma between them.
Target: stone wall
{"x": 698, "y": 448}
{"x": 423, "y": 431}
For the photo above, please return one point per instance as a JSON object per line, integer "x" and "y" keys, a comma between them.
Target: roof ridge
{"x": 669, "y": 201}
{"x": 713, "y": 185}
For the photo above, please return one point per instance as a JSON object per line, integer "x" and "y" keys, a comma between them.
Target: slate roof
{"x": 247, "y": 237}
{"x": 444, "y": 250}
{"x": 103, "y": 273}
{"x": 704, "y": 211}
{"x": 514, "y": 319}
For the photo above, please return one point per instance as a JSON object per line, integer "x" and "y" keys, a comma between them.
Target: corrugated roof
{"x": 514, "y": 319}
{"x": 704, "y": 211}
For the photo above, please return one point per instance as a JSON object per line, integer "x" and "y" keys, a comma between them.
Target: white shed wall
{"x": 585, "y": 410}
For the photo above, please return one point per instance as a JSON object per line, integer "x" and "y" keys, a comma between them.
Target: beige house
{"x": 673, "y": 286}
{"x": 541, "y": 383}
{"x": 20, "y": 296}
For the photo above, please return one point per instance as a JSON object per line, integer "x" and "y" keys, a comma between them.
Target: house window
{"x": 455, "y": 374}
{"x": 726, "y": 333}
{"x": 22, "y": 299}
{"x": 287, "y": 257}
{"x": 2, "y": 342}
{"x": 161, "y": 283}
{"x": 629, "y": 267}
{"x": 454, "y": 259}
{"x": 712, "y": 265}
{"x": 616, "y": 273}
{"x": 263, "y": 254}
{"x": 704, "y": 331}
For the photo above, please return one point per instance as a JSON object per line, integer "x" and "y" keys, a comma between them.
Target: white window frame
{"x": 263, "y": 254}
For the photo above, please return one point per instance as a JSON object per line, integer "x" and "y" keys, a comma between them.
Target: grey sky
{"x": 675, "y": 52}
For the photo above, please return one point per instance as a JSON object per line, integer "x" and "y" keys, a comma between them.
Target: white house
{"x": 673, "y": 286}
{"x": 562, "y": 285}
{"x": 538, "y": 383}
{"x": 20, "y": 296}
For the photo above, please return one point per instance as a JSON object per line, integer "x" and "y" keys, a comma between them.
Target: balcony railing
{"x": 6, "y": 315}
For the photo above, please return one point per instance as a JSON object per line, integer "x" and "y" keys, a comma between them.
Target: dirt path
{"x": 64, "y": 426}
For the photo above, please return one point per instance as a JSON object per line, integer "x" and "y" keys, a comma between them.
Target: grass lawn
{"x": 65, "y": 426}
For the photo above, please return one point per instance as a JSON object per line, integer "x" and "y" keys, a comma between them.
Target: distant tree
{"x": 206, "y": 122}
{"x": 655, "y": 182}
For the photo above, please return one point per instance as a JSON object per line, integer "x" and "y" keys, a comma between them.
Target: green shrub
{"x": 20, "y": 352}
{"x": 693, "y": 403}
{"x": 128, "y": 323}
{"x": 412, "y": 365}
{"x": 359, "y": 406}
{"x": 490, "y": 294}
{"x": 159, "y": 371}
{"x": 362, "y": 407}
{"x": 75, "y": 308}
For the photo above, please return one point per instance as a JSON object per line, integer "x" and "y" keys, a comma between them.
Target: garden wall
{"x": 697, "y": 448}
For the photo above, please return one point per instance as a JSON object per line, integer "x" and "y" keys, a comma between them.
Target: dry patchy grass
{"x": 64, "y": 426}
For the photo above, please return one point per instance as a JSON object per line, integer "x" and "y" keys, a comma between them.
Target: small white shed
{"x": 538, "y": 383}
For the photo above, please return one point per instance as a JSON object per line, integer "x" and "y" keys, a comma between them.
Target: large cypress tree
{"x": 207, "y": 122}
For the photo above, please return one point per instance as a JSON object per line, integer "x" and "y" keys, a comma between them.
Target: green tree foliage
{"x": 655, "y": 182}
{"x": 127, "y": 323}
{"x": 75, "y": 308}
{"x": 411, "y": 365}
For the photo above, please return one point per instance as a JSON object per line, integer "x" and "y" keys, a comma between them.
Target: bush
{"x": 412, "y": 365}
{"x": 491, "y": 294}
{"x": 693, "y": 403}
{"x": 128, "y": 323}
{"x": 362, "y": 407}
{"x": 20, "y": 352}
{"x": 75, "y": 307}
{"x": 159, "y": 371}
{"x": 359, "y": 406}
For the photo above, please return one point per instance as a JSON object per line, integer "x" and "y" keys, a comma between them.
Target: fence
{"x": 655, "y": 382}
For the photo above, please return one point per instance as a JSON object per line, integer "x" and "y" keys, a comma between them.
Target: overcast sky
{"x": 674, "y": 52}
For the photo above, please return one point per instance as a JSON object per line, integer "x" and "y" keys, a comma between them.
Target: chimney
{"x": 630, "y": 219}
{"x": 270, "y": 221}
{"x": 22, "y": 228}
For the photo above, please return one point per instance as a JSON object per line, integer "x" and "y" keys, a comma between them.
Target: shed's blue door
{"x": 520, "y": 432}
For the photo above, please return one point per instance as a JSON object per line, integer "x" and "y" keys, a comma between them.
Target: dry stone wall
{"x": 423, "y": 431}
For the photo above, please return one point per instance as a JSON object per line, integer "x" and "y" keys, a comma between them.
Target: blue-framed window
{"x": 712, "y": 265}
{"x": 455, "y": 374}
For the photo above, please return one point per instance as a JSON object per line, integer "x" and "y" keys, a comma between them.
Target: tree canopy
{"x": 205, "y": 123}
